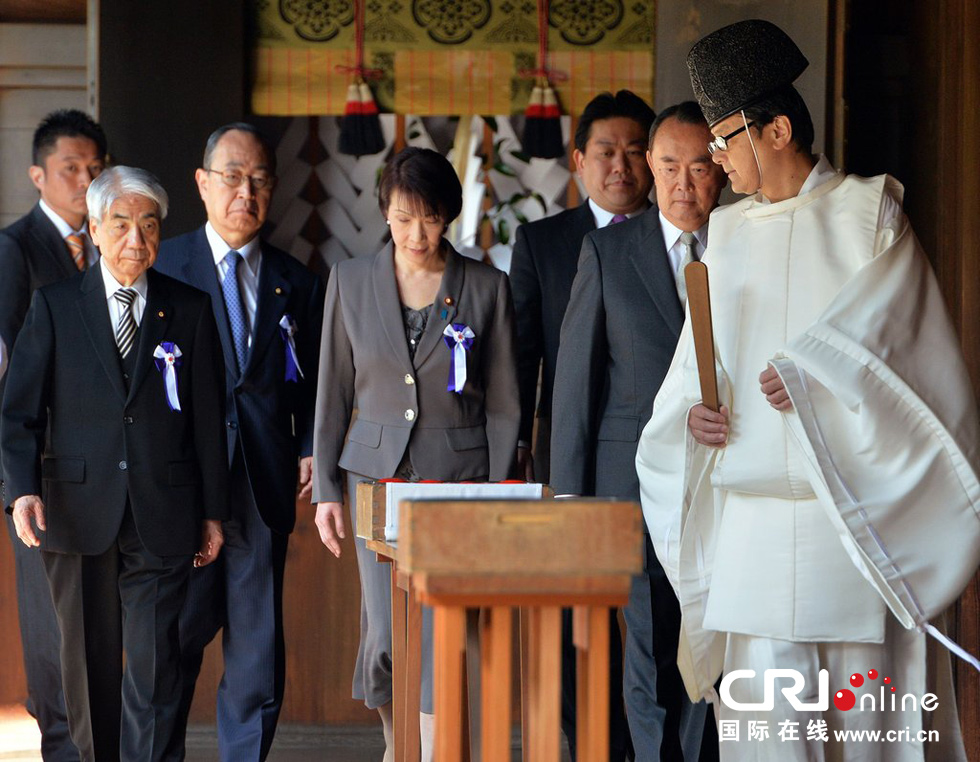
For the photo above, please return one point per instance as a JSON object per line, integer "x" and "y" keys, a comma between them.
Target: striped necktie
{"x": 76, "y": 247}
{"x": 126, "y": 328}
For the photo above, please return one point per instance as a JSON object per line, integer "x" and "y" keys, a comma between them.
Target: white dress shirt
{"x": 248, "y": 275}
{"x": 65, "y": 230}
{"x": 672, "y": 242}
{"x": 603, "y": 218}
{"x": 116, "y": 307}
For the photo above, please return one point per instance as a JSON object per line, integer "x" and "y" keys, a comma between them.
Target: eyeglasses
{"x": 720, "y": 143}
{"x": 234, "y": 179}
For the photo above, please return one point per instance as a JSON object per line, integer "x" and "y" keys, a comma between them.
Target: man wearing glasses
{"x": 269, "y": 310}
{"x": 827, "y": 511}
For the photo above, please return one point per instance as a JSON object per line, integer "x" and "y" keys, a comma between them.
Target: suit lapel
{"x": 94, "y": 311}
{"x": 445, "y": 306}
{"x": 48, "y": 240}
{"x": 153, "y": 328}
{"x": 274, "y": 290}
{"x": 652, "y": 265}
{"x": 199, "y": 271}
{"x": 582, "y": 223}
{"x": 389, "y": 304}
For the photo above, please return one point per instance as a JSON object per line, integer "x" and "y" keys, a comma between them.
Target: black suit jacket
{"x": 617, "y": 342}
{"x": 271, "y": 418}
{"x": 542, "y": 269}
{"x": 106, "y": 446}
{"x": 32, "y": 254}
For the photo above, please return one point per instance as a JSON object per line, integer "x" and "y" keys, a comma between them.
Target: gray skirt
{"x": 372, "y": 672}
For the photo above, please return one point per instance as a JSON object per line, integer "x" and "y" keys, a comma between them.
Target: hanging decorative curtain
{"x": 437, "y": 58}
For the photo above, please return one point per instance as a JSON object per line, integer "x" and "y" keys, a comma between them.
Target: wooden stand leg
{"x": 448, "y": 647}
{"x": 398, "y": 623}
{"x": 544, "y": 685}
{"x": 413, "y": 673}
{"x": 495, "y": 665}
{"x": 525, "y": 672}
{"x": 591, "y": 635}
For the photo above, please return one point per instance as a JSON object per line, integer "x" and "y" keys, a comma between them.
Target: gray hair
{"x": 215, "y": 137}
{"x": 120, "y": 181}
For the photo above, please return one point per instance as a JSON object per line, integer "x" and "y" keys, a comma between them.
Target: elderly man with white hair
{"x": 114, "y": 454}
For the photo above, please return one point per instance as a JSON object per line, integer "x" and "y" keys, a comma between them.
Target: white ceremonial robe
{"x": 810, "y": 525}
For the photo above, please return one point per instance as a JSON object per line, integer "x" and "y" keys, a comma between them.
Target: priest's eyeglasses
{"x": 234, "y": 179}
{"x": 720, "y": 143}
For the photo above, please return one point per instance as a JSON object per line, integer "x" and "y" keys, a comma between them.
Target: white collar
{"x": 603, "y": 217}
{"x": 220, "y": 249}
{"x": 672, "y": 233}
{"x": 822, "y": 171}
{"x": 64, "y": 229}
{"x": 112, "y": 285}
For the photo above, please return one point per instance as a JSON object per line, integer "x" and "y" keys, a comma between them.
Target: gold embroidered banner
{"x": 464, "y": 57}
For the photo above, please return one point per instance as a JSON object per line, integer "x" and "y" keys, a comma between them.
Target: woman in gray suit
{"x": 421, "y": 340}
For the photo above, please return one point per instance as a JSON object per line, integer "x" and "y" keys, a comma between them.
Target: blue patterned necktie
{"x": 235, "y": 308}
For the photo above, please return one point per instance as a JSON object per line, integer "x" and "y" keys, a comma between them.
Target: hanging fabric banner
{"x": 446, "y": 58}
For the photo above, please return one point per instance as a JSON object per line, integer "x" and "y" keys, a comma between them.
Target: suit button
{"x": 408, "y": 379}
{"x": 232, "y": 425}
{"x": 122, "y": 465}
{"x": 409, "y": 415}
{"x": 128, "y": 419}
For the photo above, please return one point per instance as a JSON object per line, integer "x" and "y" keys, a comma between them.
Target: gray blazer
{"x": 364, "y": 361}
{"x": 617, "y": 342}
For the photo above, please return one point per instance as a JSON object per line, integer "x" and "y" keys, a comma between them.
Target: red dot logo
{"x": 873, "y": 674}
{"x": 887, "y": 680}
{"x": 857, "y": 680}
{"x": 844, "y": 700}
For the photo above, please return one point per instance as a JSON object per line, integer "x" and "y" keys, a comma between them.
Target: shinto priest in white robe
{"x": 851, "y": 519}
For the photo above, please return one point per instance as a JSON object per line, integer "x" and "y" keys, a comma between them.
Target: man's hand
{"x": 330, "y": 521}
{"x": 708, "y": 427}
{"x": 25, "y": 508}
{"x": 212, "y": 538}
{"x": 306, "y": 478}
{"x": 776, "y": 394}
{"x": 525, "y": 464}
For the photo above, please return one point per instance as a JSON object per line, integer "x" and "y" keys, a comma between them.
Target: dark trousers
{"x": 125, "y": 600}
{"x": 240, "y": 594}
{"x": 665, "y": 726}
{"x": 41, "y": 642}
{"x": 619, "y": 736}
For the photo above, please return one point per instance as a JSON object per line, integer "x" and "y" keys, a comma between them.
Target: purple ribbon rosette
{"x": 167, "y": 359}
{"x": 459, "y": 338}
{"x": 287, "y": 329}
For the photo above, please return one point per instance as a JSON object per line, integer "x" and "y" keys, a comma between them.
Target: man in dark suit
{"x": 269, "y": 309}
{"x": 617, "y": 341}
{"x": 113, "y": 448}
{"x": 610, "y": 143}
{"x": 50, "y": 243}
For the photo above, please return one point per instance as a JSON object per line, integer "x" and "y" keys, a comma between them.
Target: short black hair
{"x": 426, "y": 177}
{"x": 215, "y": 137}
{"x": 66, "y": 123}
{"x": 625, "y": 103}
{"x": 785, "y": 101}
{"x": 686, "y": 112}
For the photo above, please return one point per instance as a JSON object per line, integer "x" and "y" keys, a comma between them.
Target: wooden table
{"x": 539, "y": 555}
{"x": 463, "y": 554}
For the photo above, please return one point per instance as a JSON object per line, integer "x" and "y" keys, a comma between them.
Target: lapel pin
{"x": 278, "y": 291}
{"x": 449, "y": 301}
{"x": 161, "y": 314}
